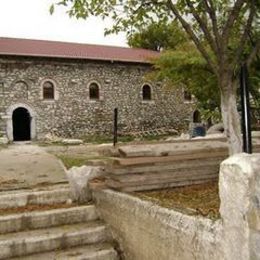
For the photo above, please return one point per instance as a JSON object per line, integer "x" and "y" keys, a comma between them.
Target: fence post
{"x": 245, "y": 106}
{"x": 115, "y": 126}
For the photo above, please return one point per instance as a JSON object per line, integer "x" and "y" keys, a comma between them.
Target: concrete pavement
{"x": 26, "y": 166}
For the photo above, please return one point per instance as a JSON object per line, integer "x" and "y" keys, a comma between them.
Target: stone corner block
{"x": 239, "y": 192}
{"x": 79, "y": 178}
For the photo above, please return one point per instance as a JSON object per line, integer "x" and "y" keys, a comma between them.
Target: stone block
{"x": 216, "y": 129}
{"x": 79, "y": 178}
{"x": 240, "y": 208}
{"x": 52, "y": 138}
{"x": 72, "y": 141}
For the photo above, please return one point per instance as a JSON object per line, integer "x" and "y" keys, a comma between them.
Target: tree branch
{"x": 204, "y": 27}
{"x": 253, "y": 53}
{"x": 211, "y": 10}
{"x": 195, "y": 39}
{"x": 231, "y": 20}
{"x": 245, "y": 34}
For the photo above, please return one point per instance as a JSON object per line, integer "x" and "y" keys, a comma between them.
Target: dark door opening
{"x": 21, "y": 124}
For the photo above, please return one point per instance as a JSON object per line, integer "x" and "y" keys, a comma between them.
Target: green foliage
{"x": 185, "y": 67}
{"x": 158, "y": 36}
{"x": 181, "y": 65}
{"x": 126, "y": 14}
{"x": 51, "y": 10}
{"x": 69, "y": 161}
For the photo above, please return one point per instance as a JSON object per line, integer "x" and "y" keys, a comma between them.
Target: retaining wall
{"x": 147, "y": 231}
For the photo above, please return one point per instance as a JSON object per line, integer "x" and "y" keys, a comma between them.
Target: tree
{"x": 212, "y": 25}
{"x": 180, "y": 64}
{"x": 255, "y": 79}
{"x": 158, "y": 36}
{"x": 185, "y": 67}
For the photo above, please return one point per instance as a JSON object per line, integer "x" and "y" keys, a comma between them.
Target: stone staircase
{"x": 45, "y": 224}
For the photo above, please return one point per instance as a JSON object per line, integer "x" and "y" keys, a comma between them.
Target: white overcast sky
{"x": 30, "y": 19}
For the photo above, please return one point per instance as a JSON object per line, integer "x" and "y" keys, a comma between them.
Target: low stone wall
{"x": 149, "y": 232}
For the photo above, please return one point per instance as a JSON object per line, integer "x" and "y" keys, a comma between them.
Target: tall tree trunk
{"x": 230, "y": 116}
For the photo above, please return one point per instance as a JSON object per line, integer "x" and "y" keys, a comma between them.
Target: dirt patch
{"x": 202, "y": 199}
{"x": 31, "y": 208}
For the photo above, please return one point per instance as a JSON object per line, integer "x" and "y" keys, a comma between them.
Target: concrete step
{"x": 43, "y": 240}
{"x": 47, "y": 218}
{"x": 24, "y": 198}
{"x": 89, "y": 252}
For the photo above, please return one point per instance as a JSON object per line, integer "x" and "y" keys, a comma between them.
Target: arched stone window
{"x": 48, "y": 90}
{"x": 94, "y": 91}
{"x": 147, "y": 92}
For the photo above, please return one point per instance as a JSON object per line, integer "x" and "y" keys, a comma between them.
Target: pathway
{"x": 26, "y": 166}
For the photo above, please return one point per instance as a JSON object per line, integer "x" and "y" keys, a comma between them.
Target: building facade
{"x": 71, "y": 91}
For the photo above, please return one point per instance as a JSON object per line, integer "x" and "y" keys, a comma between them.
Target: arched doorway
{"x": 21, "y": 124}
{"x": 196, "y": 117}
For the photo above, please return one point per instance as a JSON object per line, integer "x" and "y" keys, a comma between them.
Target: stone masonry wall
{"x": 72, "y": 113}
{"x": 146, "y": 231}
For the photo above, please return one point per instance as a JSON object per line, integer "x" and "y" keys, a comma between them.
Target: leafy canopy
{"x": 158, "y": 36}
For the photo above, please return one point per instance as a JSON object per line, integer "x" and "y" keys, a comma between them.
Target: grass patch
{"x": 202, "y": 199}
{"x": 126, "y": 138}
{"x": 97, "y": 139}
{"x": 70, "y": 161}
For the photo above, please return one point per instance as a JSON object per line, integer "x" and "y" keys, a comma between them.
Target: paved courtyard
{"x": 25, "y": 166}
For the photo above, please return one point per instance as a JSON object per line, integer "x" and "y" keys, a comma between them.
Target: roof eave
{"x": 75, "y": 57}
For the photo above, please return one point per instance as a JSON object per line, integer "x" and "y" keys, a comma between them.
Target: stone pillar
{"x": 239, "y": 188}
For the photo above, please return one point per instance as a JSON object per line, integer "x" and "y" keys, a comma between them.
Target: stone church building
{"x": 71, "y": 90}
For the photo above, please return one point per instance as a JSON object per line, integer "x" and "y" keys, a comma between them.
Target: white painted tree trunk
{"x": 230, "y": 116}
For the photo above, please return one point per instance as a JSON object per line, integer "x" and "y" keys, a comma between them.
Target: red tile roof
{"x": 39, "y": 48}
